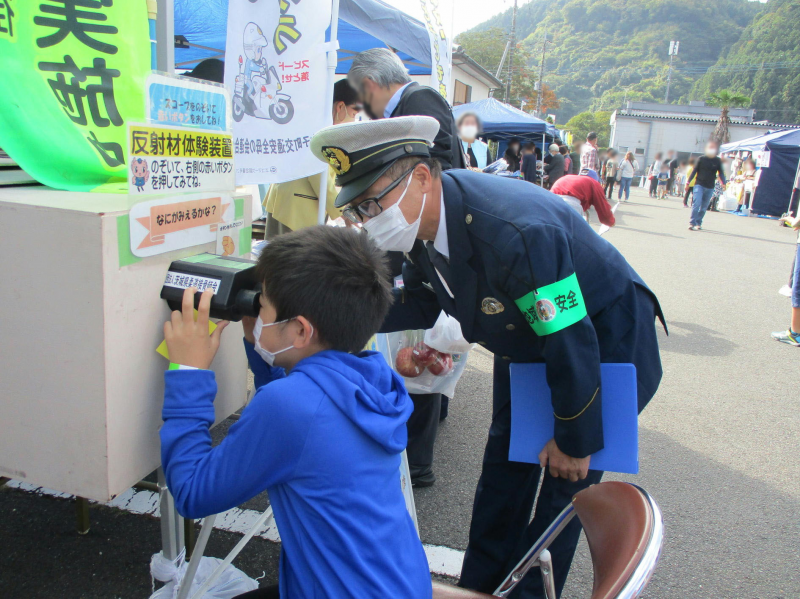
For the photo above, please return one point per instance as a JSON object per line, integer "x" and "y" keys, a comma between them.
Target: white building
{"x": 647, "y": 128}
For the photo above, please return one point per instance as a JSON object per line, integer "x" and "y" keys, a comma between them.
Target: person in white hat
{"x": 528, "y": 279}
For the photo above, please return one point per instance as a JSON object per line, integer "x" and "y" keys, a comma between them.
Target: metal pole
{"x": 502, "y": 61}
{"x": 191, "y": 569}
{"x": 323, "y": 177}
{"x": 171, "y": 521}
{"x": 165, "y": 36}
{"x": 541, "y": 78}
{"x": 512, "y": 46}
{"x": 669, "y": 79}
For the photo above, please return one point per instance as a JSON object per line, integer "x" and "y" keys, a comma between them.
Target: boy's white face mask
{"x": 390, "y": 230}
{"x": 266, "y": 355}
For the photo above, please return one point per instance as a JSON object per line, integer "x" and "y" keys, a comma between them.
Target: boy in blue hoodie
{"x": 323, "y": 433}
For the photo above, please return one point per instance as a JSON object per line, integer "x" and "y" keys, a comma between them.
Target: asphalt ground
{"x": 719, "y": 442}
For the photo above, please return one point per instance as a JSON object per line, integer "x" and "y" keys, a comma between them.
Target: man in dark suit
{"x": 386, "y": 90}
{"x": 554, "y": 168}
{"x": 495, "y": 253}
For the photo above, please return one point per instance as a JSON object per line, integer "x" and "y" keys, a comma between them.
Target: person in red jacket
{"x": 583, "y": 190}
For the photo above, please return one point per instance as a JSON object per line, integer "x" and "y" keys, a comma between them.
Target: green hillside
{"x": 764, "y": 64}
{"x": 603, "y": 50}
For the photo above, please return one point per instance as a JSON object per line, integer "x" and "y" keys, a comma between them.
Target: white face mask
{"x": 268, "y": 356}
{"x": 711, "y": 152}
{"x": 469, "y": 132}
{"x": 390, "y": 230}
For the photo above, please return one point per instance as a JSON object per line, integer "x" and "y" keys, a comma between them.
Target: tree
{"x": 549, "y": 99}
{"x": 487, "y": 47}
{"x": 581, "y": 124}
{"x": 725, "y": 100}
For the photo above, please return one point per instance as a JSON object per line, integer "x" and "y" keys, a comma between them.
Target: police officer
{"x": 528, "y": 279}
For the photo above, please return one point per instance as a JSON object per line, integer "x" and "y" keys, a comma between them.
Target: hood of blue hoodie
{"x": 366, "y": 390}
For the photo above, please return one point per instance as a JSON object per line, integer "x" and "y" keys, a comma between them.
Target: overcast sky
{"x": 466, "y": 15}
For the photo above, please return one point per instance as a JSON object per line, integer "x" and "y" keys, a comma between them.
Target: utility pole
{"x": 512, "y": 45}
{"x": 673, "y": 51}
{"x": 540, "y": 84}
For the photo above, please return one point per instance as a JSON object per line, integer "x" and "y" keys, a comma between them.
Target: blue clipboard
{"x": 532, "y": 417}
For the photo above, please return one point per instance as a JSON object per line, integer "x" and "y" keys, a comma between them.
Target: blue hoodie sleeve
{"x": 260, "y": 450}
{"x": 263, "y": 372}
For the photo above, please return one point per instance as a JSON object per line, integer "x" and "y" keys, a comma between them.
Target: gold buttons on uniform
{"x": 469, "y": 219}
{"x": 506, "y": 357}
{"x": 510, "y": 327}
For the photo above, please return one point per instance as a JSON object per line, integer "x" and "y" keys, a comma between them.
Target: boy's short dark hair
{"x": 344, "y": 92}
{"x": 563, "y": 150}
{"x": 336, "y": 277}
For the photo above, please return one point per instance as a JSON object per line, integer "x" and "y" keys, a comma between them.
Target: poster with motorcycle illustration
{"x": 275, "y": 69}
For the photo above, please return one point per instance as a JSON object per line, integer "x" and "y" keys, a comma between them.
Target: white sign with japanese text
{"x": 276, "y": 71}
{"x": 441, "y": 50}
{"x": 167, "y": 159}
{"x": 171, "y": 223}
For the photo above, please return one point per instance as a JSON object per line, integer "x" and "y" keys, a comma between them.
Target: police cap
{"x": 361, "y": 152}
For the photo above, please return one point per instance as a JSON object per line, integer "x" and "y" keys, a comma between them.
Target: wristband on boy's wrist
{"x": 173, "y": 366}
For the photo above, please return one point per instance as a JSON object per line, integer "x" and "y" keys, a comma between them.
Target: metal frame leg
{"x": 171, "y": 520}
{"x": 189, "y": 536}
{"x": 546, "y": 568}
{"x": 82, "y": 515}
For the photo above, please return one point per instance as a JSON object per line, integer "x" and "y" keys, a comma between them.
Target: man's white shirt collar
{"x": 394, "y": 101}
{"x": 440, "y": 241}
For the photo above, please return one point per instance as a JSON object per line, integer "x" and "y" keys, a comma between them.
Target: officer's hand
{"x": 562, "y": 465}
{"x": 188, "y": 340}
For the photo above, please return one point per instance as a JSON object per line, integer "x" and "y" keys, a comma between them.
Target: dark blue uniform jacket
{"x": 507, "y": 238}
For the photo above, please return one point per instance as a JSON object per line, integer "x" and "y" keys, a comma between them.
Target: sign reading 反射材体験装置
{"x": 176, "y": 222}
{"x": 74, "y": 73}
{"x": 173, "y": 100}
{"x": 178, "y": 159}
{"x": 276, "y": 72}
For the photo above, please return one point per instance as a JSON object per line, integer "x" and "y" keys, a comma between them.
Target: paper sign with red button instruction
{"x": 169, "y": 224}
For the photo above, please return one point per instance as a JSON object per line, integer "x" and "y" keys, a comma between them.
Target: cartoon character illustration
{"x": 228, "y": 247}
{"x": 141, "y": 174}
{"x": 545, "y": 310}
{"x": 257, "y": 86}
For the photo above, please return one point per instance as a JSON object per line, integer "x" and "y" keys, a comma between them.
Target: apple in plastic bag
{"x": 443, "y": 364}
{"x": 405, "y": 365}
{"x": 424, "y": 355}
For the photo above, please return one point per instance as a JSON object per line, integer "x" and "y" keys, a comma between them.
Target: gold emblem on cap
{"x": 339, "y": 159}
{"x": 491, "y": 305}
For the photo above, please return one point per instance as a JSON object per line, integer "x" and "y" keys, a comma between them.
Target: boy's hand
{"x": 188, "y": 341}
{"x": 248, "y": 323}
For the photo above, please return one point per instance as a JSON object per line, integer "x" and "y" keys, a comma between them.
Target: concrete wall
{"x": 653, "y": 135}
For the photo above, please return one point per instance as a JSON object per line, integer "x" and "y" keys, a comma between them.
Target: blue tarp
{"x": 502, "y": 121}
{"x": 755, "y": 144}
{"x": 775, "y": 184}
{"x": 363, "y": 24}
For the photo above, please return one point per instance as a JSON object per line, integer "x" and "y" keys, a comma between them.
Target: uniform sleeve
{"x": 426, "y": 102}
{"x": 260, "y": 450}
{"x": 539, "y": 256}
{"x": 415, "y": 306}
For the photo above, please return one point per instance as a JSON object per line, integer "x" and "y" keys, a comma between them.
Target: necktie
{"x": 442, "y": 266}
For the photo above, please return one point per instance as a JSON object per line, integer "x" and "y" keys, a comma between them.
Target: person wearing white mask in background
{"x": 293, "y": 205}
{"x": 706, "y": 169}
{"x": 469, "y": 126}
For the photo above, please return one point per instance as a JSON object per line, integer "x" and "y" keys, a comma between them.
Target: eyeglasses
{"x": 370, "y": 207}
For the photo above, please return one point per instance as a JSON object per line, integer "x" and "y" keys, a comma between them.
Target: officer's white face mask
{"x": 266, "y": 355}
{"x": 390, "y": 230}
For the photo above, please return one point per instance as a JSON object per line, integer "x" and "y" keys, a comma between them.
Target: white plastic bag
{"x": 446, "y": 337}
{"x": 232, "y": 583}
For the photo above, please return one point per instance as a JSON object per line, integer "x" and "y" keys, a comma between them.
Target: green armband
{"x": 554, "y": 307}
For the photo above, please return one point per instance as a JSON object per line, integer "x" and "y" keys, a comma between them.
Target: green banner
{"x": 553, "y": 307}
{"x": 74, "y": 73}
